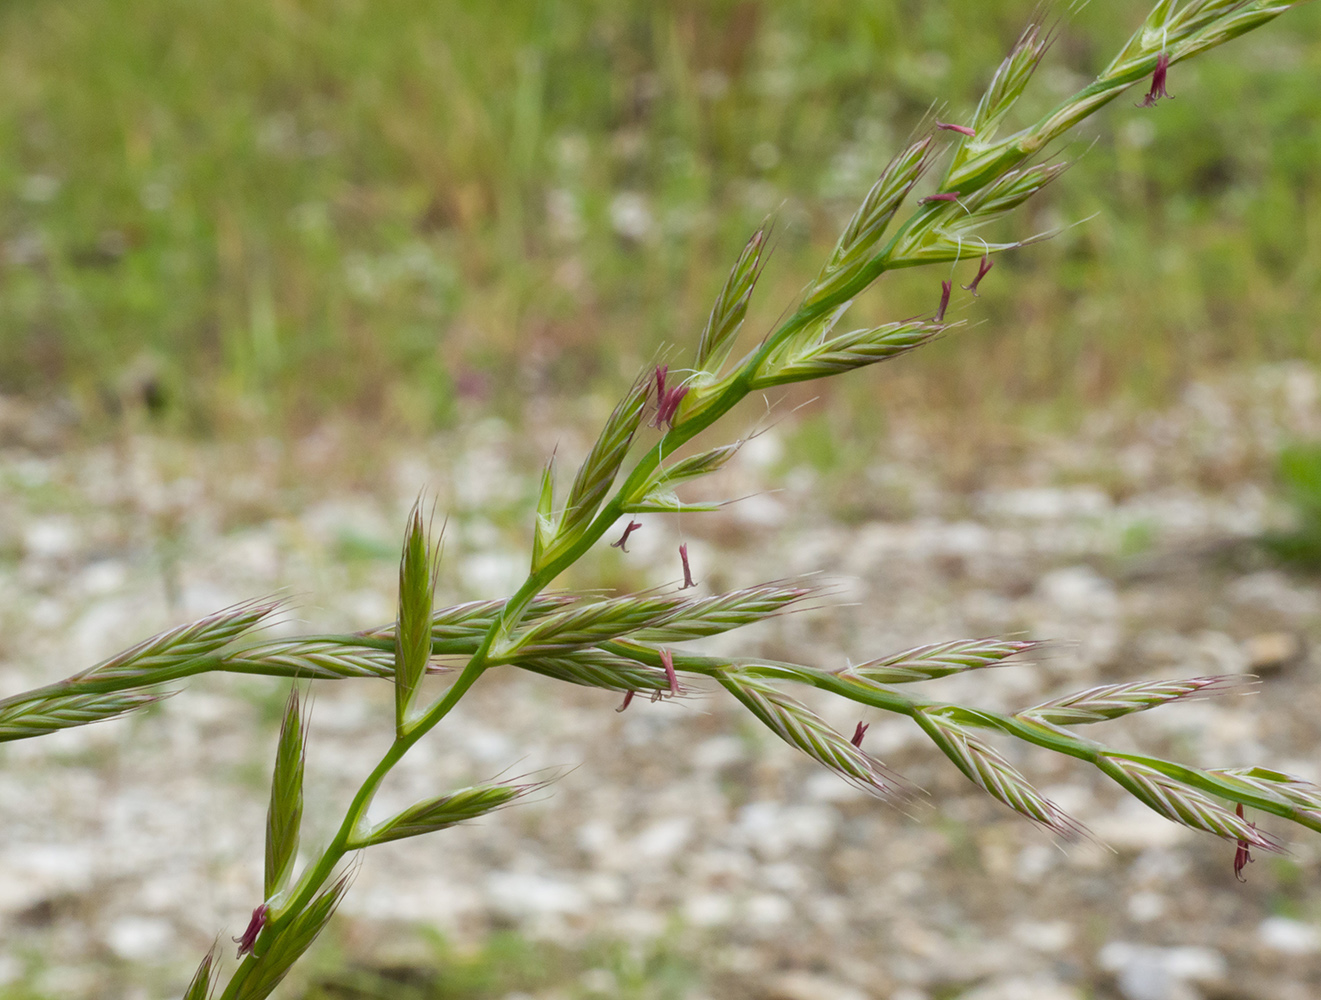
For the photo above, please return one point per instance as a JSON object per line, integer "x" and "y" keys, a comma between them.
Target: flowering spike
{"x": 444, "y": 811}
{"x": 285, "y": 814}
{"x": 1242, "y": 856}
{"x": 249, "y": 939}
{"x": 687, "y": 570}
{"x": 961, "y": 129}
{"x": 667, "y": 661}
{"x": 982, "y": 270}
{"x": 945, "y": 288}
{"x": 854, "y": 251}
{"x": 418, "y": 566}
{"x": 1158, "y": 90}
{"x": 628, "y": 700}
{"x": 597, "y": 473}
{"x": 200, "y": 987}
{"x": 801, "y": 728}
{"x": 731, "y": 307}
{"x": 943, "y": 196}
{"x": 622, "y": 544}
{"x": 859, "y": 733}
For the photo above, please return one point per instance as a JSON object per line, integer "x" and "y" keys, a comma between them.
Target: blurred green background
{"x": 280, "y": 211}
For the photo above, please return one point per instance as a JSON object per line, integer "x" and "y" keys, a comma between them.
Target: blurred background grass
{"x": 278, "y": 211}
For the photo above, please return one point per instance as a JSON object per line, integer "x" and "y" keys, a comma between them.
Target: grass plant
{"x": 931, "y": 205}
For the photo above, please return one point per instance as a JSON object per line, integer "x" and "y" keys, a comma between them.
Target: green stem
{"x": 108, "y": 685}
{"x": 344, "y": 840}
{"x": 1047, "y": 737}
{"x": 346, "y": 837}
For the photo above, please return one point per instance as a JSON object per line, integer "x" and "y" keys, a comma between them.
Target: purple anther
{"x": 945, "y": 288}
{"x": 982, "y": 271}
{"x": 628, "y": 700}
{"x": 667, "y": 401}
{"x": 667, "y": 661}
{"x": 1242, "y": 856}
{"x": 859, "y": 733}
{"x": 622, "y": 544}
{"x": 961, "y": 129}
{"x": 249, "y": 939}
{"x": 687, "y": 570}
{"x": 1158, "y": 90}
{"x": 944, "y": 196}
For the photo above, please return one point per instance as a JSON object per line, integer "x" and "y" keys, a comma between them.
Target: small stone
{"x": 807, "y": 986}
{"x": 521, "y": 895}
{"x": 1196, "y": 964}
{"x": 1034, "y": 862}
{"x": 1023, "y": 988}
{"x": 1047, "y": 937}
{"x": 719, "y": 752}
{"x": 53, "y": 537}
{"x": 775, "y": 830}
{"x": 760, "y": 511}
{"x": 1047, "y": 504}
{"x": 139, "y": 939}
{"x": 1144, "y": 972}
{"x": 1269, "y": 652}
{"x": 1079, "y": 590}
{"x": 768, "y": 909}
{"x": 1144, "y": 907}
{"x": 1134, "y": 827}
{"x": 600, "y": 982}
{"x": 1291, "y": 937}
{"x": 712, "y": 909}
{"x": 662, "y": 840}
{"x": 1220, "y": 653}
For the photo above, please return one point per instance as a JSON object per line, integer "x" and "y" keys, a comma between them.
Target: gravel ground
{"x": 127, "y": 847}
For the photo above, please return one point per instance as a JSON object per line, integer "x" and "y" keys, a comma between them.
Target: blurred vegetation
{"x": 505, "y": 964}
{"x": 509, "y": 965}
{"x": 1299, "y": 476}
{"x": 280, "y": 210}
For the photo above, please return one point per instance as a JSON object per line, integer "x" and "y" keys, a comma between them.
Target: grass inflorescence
{"x": 981, "y": 172}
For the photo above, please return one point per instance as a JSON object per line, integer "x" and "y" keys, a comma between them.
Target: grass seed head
{"x": 731, "y": 306}
{"x": 284, "y": 816}
{"x": 199, "y": 988}
{"x": 311, "y": 659}
{"x": 849, "y": 260}
{"x": 1110, "y": 701}
{"x": 598, "y": 471}
{"x": 444, "y": 811}
{"x": 1178, "y": 801}
{"x": 418, "y": 569}
{"x": 602, "y": 668}
{"x": 39, "y": 717}
{"x": 161, "y": 657}
{"x": 986, "y": 767}
{"x": 798, "y": 726}
{"x": 941, "y": 659}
